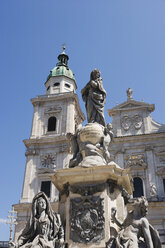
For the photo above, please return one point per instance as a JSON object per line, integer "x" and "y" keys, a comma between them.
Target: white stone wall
{"x": 43, "y": 143}
{"x": 139, "y": 144}
{"x": 65, "y": 85}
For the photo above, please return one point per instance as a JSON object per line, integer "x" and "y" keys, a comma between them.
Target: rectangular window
{"x": 45, "y": 187}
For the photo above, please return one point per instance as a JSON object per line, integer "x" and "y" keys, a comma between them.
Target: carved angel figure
{"x": 93, "y": 95}
{"x": 108, "y": 137}
{"x": 136, "y": 232}
{"x": 44, "y": 228}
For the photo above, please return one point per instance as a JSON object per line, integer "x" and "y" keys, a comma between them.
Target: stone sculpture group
{"x": 91, "y": 201}
{"x": 44, "y": 228}
{"x": 135, "y": 231}
{"x": 90, "y": 143}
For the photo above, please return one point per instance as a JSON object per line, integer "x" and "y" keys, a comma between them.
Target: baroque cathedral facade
{"x": 138, "y": 144}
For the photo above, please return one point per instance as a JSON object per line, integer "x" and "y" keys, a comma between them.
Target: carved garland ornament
{"x": 87, "y": 219}
{"x": 135, "y": 121}
{"x": 135, "y": 160}
{"x": 53, "y": 110}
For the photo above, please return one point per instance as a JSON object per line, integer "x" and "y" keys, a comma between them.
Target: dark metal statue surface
{"x": 94, "y": 95}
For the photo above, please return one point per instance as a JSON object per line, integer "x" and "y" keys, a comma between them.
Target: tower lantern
{"x": 61, "y": 78}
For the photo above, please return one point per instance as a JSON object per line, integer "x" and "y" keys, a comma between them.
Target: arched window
{"x": 52, "y": 124}
{"x": 138, "y": 187}
{"x": 67, "y": 85}
{"x": 56, "y": 84}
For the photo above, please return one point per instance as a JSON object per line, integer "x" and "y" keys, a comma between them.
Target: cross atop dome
{"x": 63, "y": 48}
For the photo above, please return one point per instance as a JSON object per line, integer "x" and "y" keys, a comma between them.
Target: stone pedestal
{"x": 87, "y": 197}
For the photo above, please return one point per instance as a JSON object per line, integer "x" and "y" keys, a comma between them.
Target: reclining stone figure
{"x": 136, "y": 232}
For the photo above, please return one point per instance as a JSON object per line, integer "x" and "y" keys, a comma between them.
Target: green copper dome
{"x": 61, "y": 68}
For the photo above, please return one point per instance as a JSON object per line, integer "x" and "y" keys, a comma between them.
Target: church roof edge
{"x": 131, "y": 105}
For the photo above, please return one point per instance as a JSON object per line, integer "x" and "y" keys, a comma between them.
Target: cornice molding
{"x": 129, "y": 106}
{"x": 139, "y": 137}
{"x": 57, "y": 98}
{"x": 46, "y": 140}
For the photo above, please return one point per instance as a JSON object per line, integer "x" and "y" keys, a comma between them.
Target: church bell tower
{"x": 55, "y": 114}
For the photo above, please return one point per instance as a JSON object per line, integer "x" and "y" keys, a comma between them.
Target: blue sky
{"x": 125, "y": 39}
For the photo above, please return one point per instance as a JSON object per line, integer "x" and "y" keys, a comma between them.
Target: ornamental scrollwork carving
{"x": 31, "y": 152}
{"x": 137, "y": 121}
{"x": 161, "y": 157}
{"x": 53, "y": 110}
{"x": 126, "y": 122}
{"x": 134, "y": 122}
{"x": 48, "y": 161}
{"x": 137, "y": 160}
{"x": 160, "y": 170}
{"x": 87, "y": 223}
{"x": 89, "y": 189}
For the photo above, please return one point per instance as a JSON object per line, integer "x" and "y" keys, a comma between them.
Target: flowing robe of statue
{"x": 94, "y": 95}
{"x": 42, "y": 230}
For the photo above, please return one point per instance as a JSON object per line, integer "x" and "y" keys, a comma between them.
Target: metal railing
{"x": 4, "y": 244}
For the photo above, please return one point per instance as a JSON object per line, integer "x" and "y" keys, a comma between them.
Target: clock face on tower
{"x": 48, "y": 161}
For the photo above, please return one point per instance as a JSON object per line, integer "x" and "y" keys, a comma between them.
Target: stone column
{"x": 119, "y": 159}
{"x": 151, "y": 179}
{"x": 27, "y": 180}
